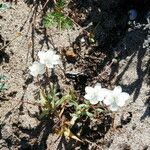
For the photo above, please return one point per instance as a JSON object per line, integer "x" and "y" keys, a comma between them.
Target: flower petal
{"x": 49, "y": 65}
{"x": 89, "y": 89}
{"x": 122, "y": 98}
{"x": 37, "y": 68}
{"x": 33, "y": 73}
{"x": 93, "y": 101}
{"x": 87, "y": 96}
{"x": 56, "y": 59}
{"x": 41, "y": 55}
{"x": 98, "y": 86}
{"x": 113, "y": 107}
{"x": 117, "y": 90}
{"x": 103, "y": 93}
{"x": 50, "y": 52}
{"x": 108, "y": 100}
{"x": 42, "y": 69}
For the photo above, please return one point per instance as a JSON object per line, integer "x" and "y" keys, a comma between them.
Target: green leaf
{"x": 49, "y": 98}
{"x": 4, "y": 6}
{"x": 44, "y": 113}
{"x": 99, "y": 110}
{"x": 2, "y": 77}
{"x": 3, "y": 86}
{"x": 43, "y": 100}
{"x": 62, "y": 100}
{"x": 89, "y": 114}
{"x": 2, "y": 83}
{"x": 57, "y": 19}
{"x": 82, "y": 106}
{"x": 60, "y": 4}
{"x": 73, "y": 103}
{"x": 73, "y": 119}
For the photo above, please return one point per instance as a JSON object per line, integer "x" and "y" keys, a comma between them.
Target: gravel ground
{"x": 130, "y": 44}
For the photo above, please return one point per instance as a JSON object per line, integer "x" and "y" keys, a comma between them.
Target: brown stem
{"x": 27, "y": 102}
{"x": 19, "y": 34}
{"x": 108, "y": 67}
{"x": 38, "y": 81}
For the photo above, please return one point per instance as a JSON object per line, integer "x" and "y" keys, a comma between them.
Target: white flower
{"x": 49, "y": 58}
{"x": 36, "y": 69}
{"x": 116, "y": 98}
{"x": 96, "y": 94}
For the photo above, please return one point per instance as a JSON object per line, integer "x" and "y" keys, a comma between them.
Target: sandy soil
{"x": 127, "y": 41}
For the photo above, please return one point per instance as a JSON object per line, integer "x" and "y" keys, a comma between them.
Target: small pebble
{"x": 82, "y": 40}
{"x": 114, "y": 60}
{"x": 132, "y": 14}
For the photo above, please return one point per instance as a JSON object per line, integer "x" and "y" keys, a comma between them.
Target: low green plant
{"x": 58, "y": 18}
{"x": 51, "y": 101}
{"x": 67, "y": 108}
{"x": 2, "y": 83}
{"x": 58, "y": 104}
{"x": 52, "y": 104}
{"x": 4, "y": 6}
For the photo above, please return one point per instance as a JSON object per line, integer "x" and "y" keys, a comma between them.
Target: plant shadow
{"x": 4, "y": 57}
{"x": 90, "y": 133}
{"x": 116, "y": 37}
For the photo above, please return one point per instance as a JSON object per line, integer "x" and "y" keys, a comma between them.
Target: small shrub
{"x": 67, "y": 107}
{"x": 58, "y": 18}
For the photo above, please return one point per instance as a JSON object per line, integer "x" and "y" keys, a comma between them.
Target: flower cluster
{"x": 48, "y": 59}
{"x": 112, "y": 98}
